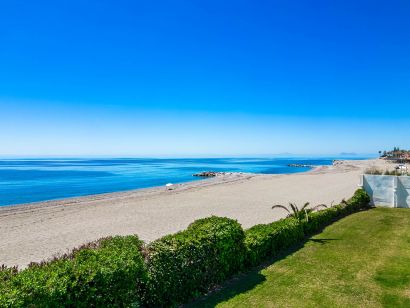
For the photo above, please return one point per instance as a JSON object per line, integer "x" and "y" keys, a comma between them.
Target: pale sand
{"x": 38, "y": 231}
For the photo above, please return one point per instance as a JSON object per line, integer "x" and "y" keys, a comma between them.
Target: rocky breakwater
{"x": 301, "y": 165}
{"x": 211, "y": 174}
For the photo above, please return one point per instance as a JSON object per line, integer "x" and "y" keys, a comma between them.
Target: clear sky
{"x": 182, "y": 78}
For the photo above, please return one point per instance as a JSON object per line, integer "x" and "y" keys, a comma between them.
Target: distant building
{"x": 397, "y": 155}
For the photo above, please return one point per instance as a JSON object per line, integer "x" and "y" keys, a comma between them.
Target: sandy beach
{"x": 35, "y": 232}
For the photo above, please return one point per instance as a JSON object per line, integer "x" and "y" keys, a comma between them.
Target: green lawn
{"x": 362, "y": 260}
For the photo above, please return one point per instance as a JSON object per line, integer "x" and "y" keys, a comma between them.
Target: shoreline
{"x": 37, "y": 231}
{"x": 206, "y": 181}
{"x": 148, "y": 191}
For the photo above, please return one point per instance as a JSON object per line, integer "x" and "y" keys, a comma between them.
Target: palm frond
{"x": 306, "y": 215}
{"x": 281, "y": 207}
{"x": 305, "y": 206}
{"x": 294, "y": 208}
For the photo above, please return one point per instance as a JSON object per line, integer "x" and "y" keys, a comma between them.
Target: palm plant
{"x": 299, "y": 213}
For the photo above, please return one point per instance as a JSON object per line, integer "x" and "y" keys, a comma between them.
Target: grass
{"x": 362, "y": 260}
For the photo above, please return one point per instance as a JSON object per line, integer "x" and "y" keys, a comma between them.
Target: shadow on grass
{"x": 243, "y": 282}
{"x": 239, "y": 284}
{"x": 248, "y": 280}
{"x": 322, "y": 241}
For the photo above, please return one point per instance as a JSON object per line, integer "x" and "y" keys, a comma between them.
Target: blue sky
{"x": 186, "y": 78}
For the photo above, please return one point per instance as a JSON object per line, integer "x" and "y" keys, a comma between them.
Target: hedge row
{"x": 318, "y": 220}
{"x": 109, "y": 272}
{"x": 186, "y": 264}
{"x": 122, "y": 272}
{"x": 266, "y": 240}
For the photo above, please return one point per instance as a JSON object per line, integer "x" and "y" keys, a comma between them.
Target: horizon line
{"x": 187, "y": 156}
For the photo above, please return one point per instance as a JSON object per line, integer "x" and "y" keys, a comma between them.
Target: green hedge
{"x": 318, "y": 220}
{"x": 121, "y": 272}
{"x": 266, "y": 240}
{"x": 186, "y": 264}
{"x": 359, "y": 200}
{"x": 106, "y": 273}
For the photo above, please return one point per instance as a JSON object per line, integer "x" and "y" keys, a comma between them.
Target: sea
{"x": 41, "y": 179}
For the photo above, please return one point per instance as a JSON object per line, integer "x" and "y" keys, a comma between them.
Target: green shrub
{"x": 109, "y": 272}
{"x": 186, "y": 264}
{"x": 6, "y": 275}
{"x": 359, "y": 200}
{"x": 266, "y": 240}
{"x": 318, "y": 220}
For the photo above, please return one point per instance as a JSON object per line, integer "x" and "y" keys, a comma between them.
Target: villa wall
{"x": 387, "y": 190}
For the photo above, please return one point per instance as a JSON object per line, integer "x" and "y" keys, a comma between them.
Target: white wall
{"x": 403, "y": 191}
{"x": 388, "y": 190}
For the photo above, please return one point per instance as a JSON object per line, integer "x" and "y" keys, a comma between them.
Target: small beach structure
{"x": 169, "y": 186}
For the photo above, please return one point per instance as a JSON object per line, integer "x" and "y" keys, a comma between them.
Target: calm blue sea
{"x": 31, "y": 180}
